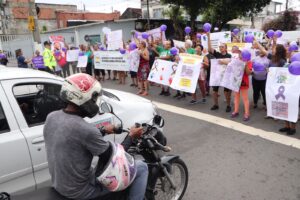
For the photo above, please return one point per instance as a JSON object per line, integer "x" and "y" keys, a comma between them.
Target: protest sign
{"x": 57, "y": 42}
{"x": 282, "y": 94}
{"x": 72, "y": 55}
{"x": 187, "y": 73}
{"x": 233, "y": 75}
{"x": 134, "y": 60}
{"x": 111, "y": 60}
{"x": 179, "y": 44}
{"x": 258, "y": 34}
{"x": 220, "y": 37}
{"x": 216, "y": 72}
{"x": 162, "y": 72}
{"x": 38, "y": 62}
{"x": 114, "y": 40}
{"x": 154, "y": 33}
{"x": 82, "y": 61}
{"x": 204, "y": 42}
{"x": 241, "y": 46}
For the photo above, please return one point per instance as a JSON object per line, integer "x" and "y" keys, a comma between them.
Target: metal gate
{"x": 10, "y": 43}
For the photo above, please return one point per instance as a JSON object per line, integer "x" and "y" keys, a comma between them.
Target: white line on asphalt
{"x": 272, "y": 136}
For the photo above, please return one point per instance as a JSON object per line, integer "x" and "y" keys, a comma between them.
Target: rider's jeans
{"x": 137, "y": 189}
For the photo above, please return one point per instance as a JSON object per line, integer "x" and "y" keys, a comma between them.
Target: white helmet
{"x": 84, "y": 91}
{"x": 120, "y": 171}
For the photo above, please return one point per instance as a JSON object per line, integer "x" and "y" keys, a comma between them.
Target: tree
{"x": 286, "y": 22}
{"x": 175, "y": 14}
{"x": 192, "y": 7}
{"x": 219, "y": 12}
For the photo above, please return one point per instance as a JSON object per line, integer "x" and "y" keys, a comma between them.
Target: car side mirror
{"x": 159, "y": 121}
{"x": 105, "y": 108}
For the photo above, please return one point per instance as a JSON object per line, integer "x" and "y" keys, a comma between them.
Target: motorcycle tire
{"x": 163, "y": 190}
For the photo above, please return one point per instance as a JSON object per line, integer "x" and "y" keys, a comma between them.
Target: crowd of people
{"x": 267, "y": 54}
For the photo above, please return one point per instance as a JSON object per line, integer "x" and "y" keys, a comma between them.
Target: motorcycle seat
{"x": 47, "y": 193}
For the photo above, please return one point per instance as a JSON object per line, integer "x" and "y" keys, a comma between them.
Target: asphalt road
{"x": 225, "y": 159}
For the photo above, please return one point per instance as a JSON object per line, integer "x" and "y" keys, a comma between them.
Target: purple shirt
{"x": 38, "y": 62}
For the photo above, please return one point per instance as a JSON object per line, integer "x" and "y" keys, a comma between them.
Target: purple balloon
{"x": 293, "y": 47}
{"x": 198, "y": 35}
{"x": 249, "y": 38}
{"x": 174, "y": 51}
{"x": 246, "y": 55}
{"x": 207, "y": 27}
{"x": 136, "y": 34}
{"x": 57, "y": 53}
{"x": 270, "y": 33}
{"x": 132, "y": 46}
{"x": 236, "y": 31}
{"x": 295, "y": 57}
{"x": 258, "y": 67}
{"x": 294, "y": 68}
{"x": 145, "y": 35}
{"x": 64, "y": 49}
{"x": 163, "y": 28}
{"x": 278, "y": 33}
{"x": 187, "y": 30}
{"x": 81, "y": 54}
{"x": 102, "y": 48}
{"x": 122, "y": 51}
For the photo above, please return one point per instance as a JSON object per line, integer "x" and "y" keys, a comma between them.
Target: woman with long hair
{"x": 144, "y": 69}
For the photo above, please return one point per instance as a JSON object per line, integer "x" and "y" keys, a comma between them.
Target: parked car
{"x": 26, "y": 97}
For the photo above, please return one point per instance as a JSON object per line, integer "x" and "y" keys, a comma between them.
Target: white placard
{"x": 134, "y": 60}
{"x": 82, "y": 61}
{"x": 72, "y": 55}
{"x": 111, "y": 60}
{"x": 179, "y": 44}
{"x": 217, "y": 72}
{"x": 219, "y": 37}
{"x": 155, "y": 33}
{"x": 258, "y": 34}
{"x": 282, "y": 94}
{"x": 163, "y": 72}
{"x": 114, "y": 40}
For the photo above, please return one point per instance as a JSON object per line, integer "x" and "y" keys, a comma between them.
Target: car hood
{"x": 125, "y": 96}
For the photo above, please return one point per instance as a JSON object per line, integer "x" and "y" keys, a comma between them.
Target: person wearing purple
{"x": 38, "y": 61}
{"x": 3, "y": 59}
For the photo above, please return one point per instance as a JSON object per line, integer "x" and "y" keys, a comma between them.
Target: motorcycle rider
{"x": 71, "y": 143}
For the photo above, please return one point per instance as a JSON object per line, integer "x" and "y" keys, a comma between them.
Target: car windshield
{"x": 110, "y": 95}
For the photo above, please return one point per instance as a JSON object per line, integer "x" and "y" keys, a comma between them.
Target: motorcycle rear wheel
{"x": 179, "y": 174}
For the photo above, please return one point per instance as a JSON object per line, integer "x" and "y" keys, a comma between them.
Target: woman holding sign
{"x": 144, "y": 69}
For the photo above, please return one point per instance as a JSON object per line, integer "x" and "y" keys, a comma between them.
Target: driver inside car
{"x": 71, "y": 143}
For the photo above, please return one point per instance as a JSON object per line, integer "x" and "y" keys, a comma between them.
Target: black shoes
{"x": 215, "y": 107}
{"x": 288, "y": 131}
{"x": 228, "y": 109}
{"x": 285, "y": 129}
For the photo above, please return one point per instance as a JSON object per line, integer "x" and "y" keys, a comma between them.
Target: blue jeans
{"x": 136, "y": 191}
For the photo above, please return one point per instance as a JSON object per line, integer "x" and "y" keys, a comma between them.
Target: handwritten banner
{"x": 72, "y": 55}
{"x": 258, "y": 34}
{"x": 217, "y": 72}
{"x": 111, "y": 60}
{"x": 82, "y": 61}
{"x": 162, "y": 72}
{"x": 282, "y": 94}
{"x": 134, "y": 60}
{"x": 114, "y": 40}
{"x": 154, "y": 33}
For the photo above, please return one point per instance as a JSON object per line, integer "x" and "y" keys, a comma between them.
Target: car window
{"x": 4, "y": 127}
{"x": 37, "y": 100}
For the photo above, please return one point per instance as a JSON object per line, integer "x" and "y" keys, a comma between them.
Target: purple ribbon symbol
{"x": 281, "y": 90}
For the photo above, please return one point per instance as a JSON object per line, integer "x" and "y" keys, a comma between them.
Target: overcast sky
{"x": 98, "y": 5}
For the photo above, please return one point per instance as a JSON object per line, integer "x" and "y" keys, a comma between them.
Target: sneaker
{"x": 246, "y": 118}
{"x": 285, "y": 129}
{"x": 167, "y": 93}
{"x": 234, "y": 115}
{"x": 215, "y": 107}
{"x": 291, "y": 132}
{"x": 162, "y": 93}
{"x": 228, "y": 109}
{"x": 193, "y": 102}
{"x": 132, "y": 85}
{"x": 203, "y": 101}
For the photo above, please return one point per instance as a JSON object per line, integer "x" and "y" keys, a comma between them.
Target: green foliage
{"x": 175, "y": 14}
{"x": 286, "y": 22}
{"x": 44, "y": 28}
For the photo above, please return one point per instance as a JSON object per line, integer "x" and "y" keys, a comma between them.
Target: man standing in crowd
{"x": 49, "y": 59}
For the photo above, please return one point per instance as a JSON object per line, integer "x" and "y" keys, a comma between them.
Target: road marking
{"x": 272, "y": 136}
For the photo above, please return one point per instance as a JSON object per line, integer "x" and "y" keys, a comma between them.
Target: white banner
{"x": 217, "y": 72}
{"x": 114, "y": 40}
{"x": 162, "y": 72}
{"x": 233, "y": 75}
{"x": 258, "y": 34}
{"x": 282, "y": 93}
{"x": 179, "y": 44}
{"x": 220, "y": 37}
{"x": 111, "y": 60}
{"x": 82, "y": 61}
{"x": 72, "y": 55}
{"x": 134, "y": 60}
{"x": 204, "y": 42}
{"x": 155, "y": 33}
{"x": 187, "y": 73}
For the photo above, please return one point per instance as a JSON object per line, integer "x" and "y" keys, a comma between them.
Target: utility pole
{"x": 32, "y": 14}
{"x": 148, "y": 15}
{"x": 286, "y": 4}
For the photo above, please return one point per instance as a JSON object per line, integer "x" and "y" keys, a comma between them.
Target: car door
{"x": 22, "y": 95}
{"x": 16, "y": 174}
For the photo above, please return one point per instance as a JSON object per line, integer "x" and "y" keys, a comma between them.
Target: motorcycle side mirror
{"x": 105, "y": 108}
{"x": 159, "y": 121}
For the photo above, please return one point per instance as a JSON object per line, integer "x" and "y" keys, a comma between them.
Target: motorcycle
{"x": 168, "y": 174}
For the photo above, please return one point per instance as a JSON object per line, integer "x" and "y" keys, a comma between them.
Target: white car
{"x": 26, "y": 97}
